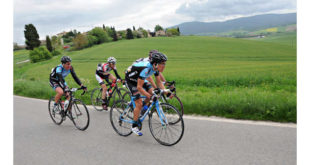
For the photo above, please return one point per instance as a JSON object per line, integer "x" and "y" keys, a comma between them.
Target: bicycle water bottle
{"x": 144, "y": 108}
{"x": 66, "y": 104}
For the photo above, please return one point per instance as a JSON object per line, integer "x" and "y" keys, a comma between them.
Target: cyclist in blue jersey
{"x": 147, "y": 59}
{"x": 57, "y": 78}
{"x": 102, "y": 73}
{"x": 135, "y": 81}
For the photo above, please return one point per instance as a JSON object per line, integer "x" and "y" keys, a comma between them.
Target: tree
{"x": 103, "y": 27}
{"x": 49, "y": 44}
{"x": 114, "y": 34}
{"x": 158, "y": 28}
{"x": 133, "y": 28}
{"x": 80, "y": 41}
{"x": 32, "y": 37}
{"x": 178, "y": 30}
{"x": 129, "y": 34}
{"x": 56, "y": 43}
{"x": 100, "y": 34}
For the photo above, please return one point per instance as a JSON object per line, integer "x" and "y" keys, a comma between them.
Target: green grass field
{"x": 235, "y": 78}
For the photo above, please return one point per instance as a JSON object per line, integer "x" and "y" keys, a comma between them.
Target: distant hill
{"x": 246, "y": 23}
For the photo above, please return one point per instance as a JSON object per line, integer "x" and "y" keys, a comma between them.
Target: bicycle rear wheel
{"x": 167, "y": 134}
{"x": 79, "y": 114}
{"x": 55, "y": 115}
{"x": 121, "y": 110}
{"x": 96, "y": 99}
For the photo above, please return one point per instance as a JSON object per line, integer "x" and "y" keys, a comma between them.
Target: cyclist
{"x": 147, "y": 59}
{"x": 135, "y": 81}
{"x": 102, "y": 73}
{"x": 57, "y": 79}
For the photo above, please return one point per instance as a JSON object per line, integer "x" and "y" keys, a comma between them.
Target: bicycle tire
{"x": 176, "y": 102}
{"x": 120, "y": 127}
{"x": 127, "y": 96}
{"x": 154, "y": 123}
{"x": 56, "y": 116}
{"x": 96, "y": 99}
{"x": 78, "y": 109}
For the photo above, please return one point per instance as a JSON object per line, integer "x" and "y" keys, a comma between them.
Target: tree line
{"x": 74, "y": 40}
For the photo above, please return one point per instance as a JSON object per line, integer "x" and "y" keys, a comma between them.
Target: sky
{"x": 52, "y": 17}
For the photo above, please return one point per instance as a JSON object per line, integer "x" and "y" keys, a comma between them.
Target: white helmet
{"x": 112, "y": 60}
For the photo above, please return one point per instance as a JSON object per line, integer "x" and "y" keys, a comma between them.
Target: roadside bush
{"x": 56, "y": 52}
{"x": 39, "y": 54}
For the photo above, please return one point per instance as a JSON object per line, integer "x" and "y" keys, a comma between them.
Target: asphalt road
{"x": 212, "y": 141}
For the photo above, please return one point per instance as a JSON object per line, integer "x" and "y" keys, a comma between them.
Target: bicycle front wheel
{"x": 121, "y": 111}
{"x": 79, "y": 115}
{"x": 54, "y": 113}
{"x": 96, "y": 99}
{"x": 171, "y": 131}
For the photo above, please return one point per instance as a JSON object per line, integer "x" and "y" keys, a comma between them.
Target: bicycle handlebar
{"x": 74, "y": 90}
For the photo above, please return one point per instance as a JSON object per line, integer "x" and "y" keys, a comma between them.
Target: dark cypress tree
{"x": 32, "y": 37}
{"x": 133, "y": 28}
{"x": 129, "y": 34}
{"x": 49, "y": 44}
{"x": 114, "y": 34}
{"x": 103, "y": 27}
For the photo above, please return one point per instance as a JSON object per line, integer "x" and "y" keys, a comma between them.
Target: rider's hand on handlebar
{"x": 84, "y": 87}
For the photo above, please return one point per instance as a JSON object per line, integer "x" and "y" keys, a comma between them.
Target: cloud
{"x": 211, "y": 10}
{"x": 52, "y": 17}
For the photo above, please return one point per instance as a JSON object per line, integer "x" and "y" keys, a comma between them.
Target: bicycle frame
{"x": 160, "y": 113}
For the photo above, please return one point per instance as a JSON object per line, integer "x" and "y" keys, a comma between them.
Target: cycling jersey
{"x": 146, "y": 59}
{"x": 104, "y": 69}
{"x": 140, "y": 70}
{"x": 58, "y": 74}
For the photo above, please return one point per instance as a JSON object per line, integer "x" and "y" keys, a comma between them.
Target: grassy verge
{"x": 227, "y": 77}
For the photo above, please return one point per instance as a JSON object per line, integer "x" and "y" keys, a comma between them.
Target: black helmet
{"x": 152, "y": 51}
{"x": 65, "y": 59}
{"x": 158, "y": 58}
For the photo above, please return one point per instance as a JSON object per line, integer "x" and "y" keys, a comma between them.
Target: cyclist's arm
{"x": 140, "y": 88}
{"x": 158, "y": 81}
{"x": 76, "y": 79}
{"x": 142, "y": 76}
{"x": 62, "y": 82}
{"x": 162, "y": 78}
{"x": 150, "y": 79}
{"x": 116, "y": 74}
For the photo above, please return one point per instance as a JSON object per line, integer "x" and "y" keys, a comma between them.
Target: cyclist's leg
{"x": 148, "y": 87}
{"x": 132, "y": 86}
{"x": 111, "y": 77}
{"x": 104, "y": 90}
{"x": 59, "y": 93}
{"x": 103, "y": 86}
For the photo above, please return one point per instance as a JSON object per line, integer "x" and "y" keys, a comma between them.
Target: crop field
{"x": 235, "y": 78}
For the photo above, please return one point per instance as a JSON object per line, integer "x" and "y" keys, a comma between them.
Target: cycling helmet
{"x": 158, "y": 58}
{"x": 112, "y": 60}
{"x": 65, "y": 59}
{"x": 152, "y": 51}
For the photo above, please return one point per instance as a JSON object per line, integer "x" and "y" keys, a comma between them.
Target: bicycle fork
{"x": 162, "y": 117}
